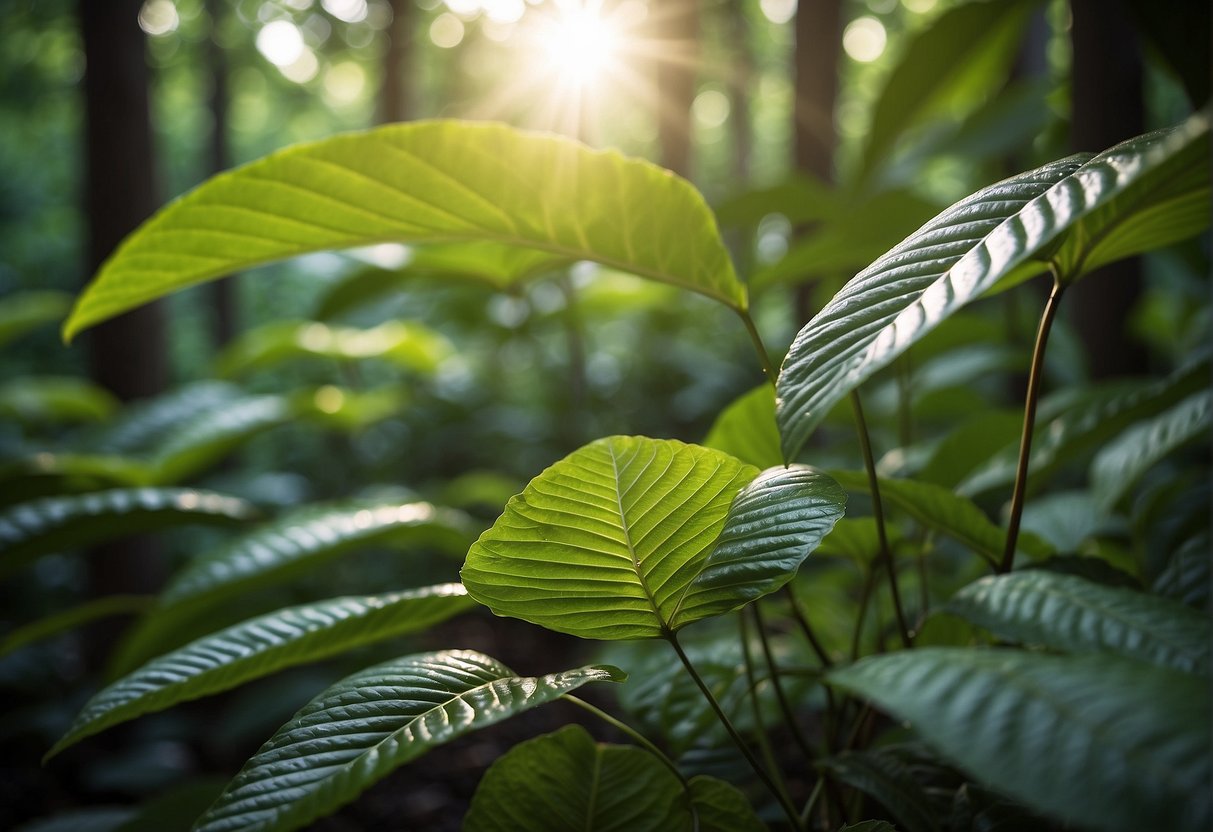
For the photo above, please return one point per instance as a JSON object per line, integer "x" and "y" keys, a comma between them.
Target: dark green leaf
{"x": 1044, "y": 728}
{"x": 71, "y": 619}
{"x": 371, "y": 723}
{"x": 883, "y": 777}
{"x": 50, "y": 400}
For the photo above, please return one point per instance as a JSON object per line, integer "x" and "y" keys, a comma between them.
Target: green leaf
{"x": 1186, "y": 577}
{"x": 775, "y": 522}
{"x": 746, "y": 429}
{"x": 888, "y": 780}
{"x": 607, "y": 542}
{"x": 1059, "y": 212}
{"x": 960, "y": 58}
{"x": 970, "y": 445}
{"x": 349, "y": 410}
{"x": 1066, "y": 519}
{"x": 1119, "y": 465}
{"x": 261, "y": 646}
{"x": 43, "y": 400}
{"x": 73, "y": 618}
{"x": 371, "y": 723}
{"x": 24, "y": 312}
{"x": 857, "y": 539}
{"x": 947, "y": 513}
{"x": 1044, "y": 728}
{"x": 868, "y": 826}
{"x": 207, "y": 438}
{"x": 408, "y": 345}
{"x": 1069, "y": 613}
{"x": 142, "y": 426}
{"x": 564, "y": 781}
{"x": 438, "y": 181}
{"x": 52, "y": 524}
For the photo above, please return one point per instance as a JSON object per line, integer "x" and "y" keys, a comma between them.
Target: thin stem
{"x": 803, "y": 621}
{"x": 784, "y": 802}
{"x": 807, "y": 811}
{"x": 788, "y": 715}
{"x": 905, "y": 416}
{"x": 1029, "y": 424}
{"x": 886, "y": 554}
{"x": 865, "y": 596}
{"x": 759, "y": 347}
{"x": 764, "y": 745}
{"x": 639, "y": 738}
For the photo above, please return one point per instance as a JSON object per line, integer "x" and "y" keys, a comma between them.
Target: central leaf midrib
{"x": 627, "y": 539}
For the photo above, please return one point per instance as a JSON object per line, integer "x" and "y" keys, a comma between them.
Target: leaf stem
{"x": 803, "y": 621}
{"x": 789, "y": 715}
{"x": 1029, "y": 424}
{"x": 639, "y": 738}
{"x": 763, "y": 357}
{"x": 784, "y": 802}
{"x": 760, "y": 732}
{"x": 886, "y": 554}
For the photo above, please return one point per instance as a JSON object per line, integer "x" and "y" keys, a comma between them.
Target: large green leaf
{"x": 607, "y": 542}
{"x": 959, "y": 59}
{"x": 1070, "y": 613}
{"x": 51, "y": 524}
{"x": 1119, "y": 465}
{"x": 144, "y": 425}
{"x": 207, "y": 438}
{"x": 369, "y": 724}
{"x": 746, "y": 429}
{"x": 438, "y": 181}
{"x": 50, "y": 400}
{"x": 565, "y": 782}
{"x": 409, "y": 345}
{"x": 262, "y": 646}
{"x": 72, "y": 618}
{"x": 888, "y": 780}
{"x": 1062, "y": 212}
{"x": 1045, "y": 728}
{"x": 939, "y": 509}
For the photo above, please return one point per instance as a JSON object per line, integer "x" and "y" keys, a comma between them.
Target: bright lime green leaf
{"x": 746, "y": 429}
{"x": 1059, "y": 212}
{"x": 439, "y": 181}
{"x": 23, "y": 312}
{"x": 775, "y": 522}
{"x": 410, "y": 345}
{"x": 1120, "y": 464}
{"x": 947, "y": 513}
{"x": 1044, "y": 728}
{"x": 369, "y": 724}
{"x": 53, "y": 524}
{"x": 261, "y": 646}
{"x": 607, "y": 542}
{"x": 71, "y": 619}
{"x": 565, "y": 781}
{"x": 44, "y": 400}
{"x": 1069, "y": 613}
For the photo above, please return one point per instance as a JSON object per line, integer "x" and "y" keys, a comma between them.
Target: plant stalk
{"x": 1029, "y": 424}
{"x": 803, "y": 621}
{"x": 789, "y": 715}
{"x": 784, "y": 802}
{"x": 759, "y": 347}
{"x": 637, "y": 737}
{"x": 886, "y": 554}
{"x": 764, "y": 745}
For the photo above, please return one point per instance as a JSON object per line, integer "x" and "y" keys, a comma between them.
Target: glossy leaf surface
{"x": 1043, "y": 728}
{"x": 434, "y": 181}
{"x": 1069, "y": 613}
{"x": 607, "y": 542}
{"x": 262, "y": 646}
{"x": 371, "y": 723}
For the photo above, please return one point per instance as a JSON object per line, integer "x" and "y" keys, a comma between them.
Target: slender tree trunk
{"x": 739, "y": 88}
{"x": 396, "y": 95}
{"x": 676, "y": 24}
{"x": 126, "y": 355}
{"x": 1107, "y": 108}
{"x": 222, "y": 292}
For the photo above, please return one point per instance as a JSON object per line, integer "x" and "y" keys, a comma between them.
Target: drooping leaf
{"x": 1065, "y": 519}
{"x": 73, "y": 618}
{"x": 52, "y": 524}
{"x": 970, "y": 445}
{"x": 1186, "y": 577}
{"x": 857, "y": 539}
{"x": 1070, "y": 613}
{"x": 371, "y": 723}
{"x": 775, "y": 522}
{"x": 1063, "y": 212}
{"x": 565, "y": 781}
{"x": 144, "y": 425}
{"x": 1119, "y": 465}
{"x": 47, "y": 473}
{"x": 409, "y": 345}
{"x": 205, "y": 439}
{"x": 1043, "y": 728}
{"x": 947, "y": 513}
{"x": 607, "y": 542}
{"x": 261, "y": 646}
{"x": 53, "y": 400}
{"x": 960, "y": 58}
{"x": 434, "y": 181}
{"x": 746, "y": 429}
{"x": 23, "y": 312}
{"x": 886, "y": 779}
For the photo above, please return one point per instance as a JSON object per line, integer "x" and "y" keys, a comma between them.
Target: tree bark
{"x": 222, "y": 292}
{"x": 739, "y": 88}
{"x": 1107, "y": 108}
{"x": 396, "y": 95}
{"x": 676, "y": 24}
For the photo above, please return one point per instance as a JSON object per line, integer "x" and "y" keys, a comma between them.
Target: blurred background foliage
{"x": 337, "y": 373}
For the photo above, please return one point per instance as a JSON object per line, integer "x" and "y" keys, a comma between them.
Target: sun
{"x": 580, "y": 45}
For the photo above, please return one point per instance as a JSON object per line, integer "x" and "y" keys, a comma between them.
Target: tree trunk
{"x": 1107, "y": 108}
{"x": 396, "y": 94}
{"x": 676, "y": 25}
{"x": 127, "y": 355}
{"x": 739, "y": 89}
{"x": 222, "y": 292}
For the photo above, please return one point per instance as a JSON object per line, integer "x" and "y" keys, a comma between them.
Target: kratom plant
{"x": 1046, "y": 690}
